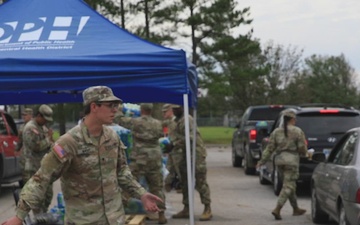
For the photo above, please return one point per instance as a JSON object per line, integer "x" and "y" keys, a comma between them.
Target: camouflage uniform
{"x": 36, "y": 143}
{"x": 27, "y": 112}
{"x": 175, "y": 156}
{"x": 287, "y": 150}
{"x": 178, "y": 140}
{"x": 92, "y": 174}
{"x": 146, "y": 156}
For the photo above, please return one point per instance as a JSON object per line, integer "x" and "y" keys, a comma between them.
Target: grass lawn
{"x": 210, "y": 135}
{"x": 56, "y": 135}
{"x": 217, "y": 135}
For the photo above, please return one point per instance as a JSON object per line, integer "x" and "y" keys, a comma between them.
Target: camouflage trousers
{"x": 151, "y": 170}
{"x": 26, "y": 175}
{"x": 289, "y": 175}
{"x": 201, "y": 184}
{"x": 173, "y": 166}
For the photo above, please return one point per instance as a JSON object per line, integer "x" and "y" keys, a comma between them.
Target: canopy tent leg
{"x": 188, "y": 161}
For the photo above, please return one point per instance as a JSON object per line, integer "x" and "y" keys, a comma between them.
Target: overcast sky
{"x": 324, "y": 27}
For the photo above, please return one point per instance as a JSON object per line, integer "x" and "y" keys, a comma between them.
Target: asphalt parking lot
{"x": 237, "y": 199}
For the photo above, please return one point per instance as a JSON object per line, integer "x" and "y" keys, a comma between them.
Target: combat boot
{"x": 276, "y": 212}
{"x": 298, "y": 211}
{"x": 206, "y": 215}
{"x": 182, "y": 214}
{"x": 162, "y": 218}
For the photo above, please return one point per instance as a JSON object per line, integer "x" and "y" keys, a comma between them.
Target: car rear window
{"x": 270, "y": 113}
{"x": 319, "y": 124}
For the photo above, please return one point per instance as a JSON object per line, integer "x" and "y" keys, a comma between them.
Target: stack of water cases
{"x": 125, "y": 137}
{"x": 131, "y": 110}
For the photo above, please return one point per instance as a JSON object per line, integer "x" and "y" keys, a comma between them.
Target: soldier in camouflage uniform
{"x": 174, "y": 157}
{"x": 90, "y": 161}
{"x": 201, "y": 185}
{"x": 37, "y": 140}
{"x": 288, "y": 143}
{"x": 146, "y": 156}
{"x": 27, "y": 115}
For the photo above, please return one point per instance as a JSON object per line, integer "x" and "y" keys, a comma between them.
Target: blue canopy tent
{"x": 51, "y": 50}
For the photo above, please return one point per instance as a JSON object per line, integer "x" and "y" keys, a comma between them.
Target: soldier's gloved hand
{"x": 168, "y": 147}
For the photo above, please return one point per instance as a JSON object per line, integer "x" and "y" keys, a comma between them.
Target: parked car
{"x": 323, "y": 125}
{"x": 10, "y": 170}
{"x": 335, "y": 182}
{"x": 246, "y": 141}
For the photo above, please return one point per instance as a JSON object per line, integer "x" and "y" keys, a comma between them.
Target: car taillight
{"x": 252, "y": 135}
{"x": 329, "y": 111}
{"x": 358, "y": 196}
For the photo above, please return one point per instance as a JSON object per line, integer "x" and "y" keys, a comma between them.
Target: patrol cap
{"x": 47, "y": 112}
{"x": 27, "y": 111}
{"x": 166, "y": 107}
{"x": 146, "y": 106}
{"x": 99, "y": 94}
{"x": 289, "y": 113}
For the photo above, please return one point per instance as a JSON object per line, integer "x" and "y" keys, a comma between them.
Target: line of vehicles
{"x": 333, "y": 172}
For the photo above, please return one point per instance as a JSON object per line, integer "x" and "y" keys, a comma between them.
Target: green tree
{"x": 327, "y": 79}
{"x": 283, "y": 64}
{"x": 154, "y": 26}
{"x": 230, "y": 65}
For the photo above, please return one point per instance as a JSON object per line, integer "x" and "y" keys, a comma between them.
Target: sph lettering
{"x": 42, "y": 28}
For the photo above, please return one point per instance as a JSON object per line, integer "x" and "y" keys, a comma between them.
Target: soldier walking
{"x": 90, "y": 160}
{"x": 288, "y": 142}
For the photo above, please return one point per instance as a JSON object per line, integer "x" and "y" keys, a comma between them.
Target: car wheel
{"x": 262, "y": 179}
{"x": 277, "y": 182}
{"x": 342, "y": 216}
{"x": 317, "y": 214}
{"x": 248, "y": 170}
{"x": 236, "y": 160}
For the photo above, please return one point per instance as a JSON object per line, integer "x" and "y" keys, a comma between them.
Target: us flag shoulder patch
{"x": 60, "y": 152}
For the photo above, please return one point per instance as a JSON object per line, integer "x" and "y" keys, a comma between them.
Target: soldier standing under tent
{"x": 90, "y": 160}
{"x": 146, "y": 156}
{"x": 201, "y": 184}
{"x": 27, "y": 115}
{"x": 37, "y": 140}
{"x": 174, "y": 157}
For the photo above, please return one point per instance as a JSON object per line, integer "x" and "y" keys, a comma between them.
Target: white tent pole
{"x": 194, "y": 147}
{"x": 188, "y": 160}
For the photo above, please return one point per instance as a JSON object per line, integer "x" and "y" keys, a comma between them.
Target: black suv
{"x": 323, "y": 125}
{"x": 254, "y": 126}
